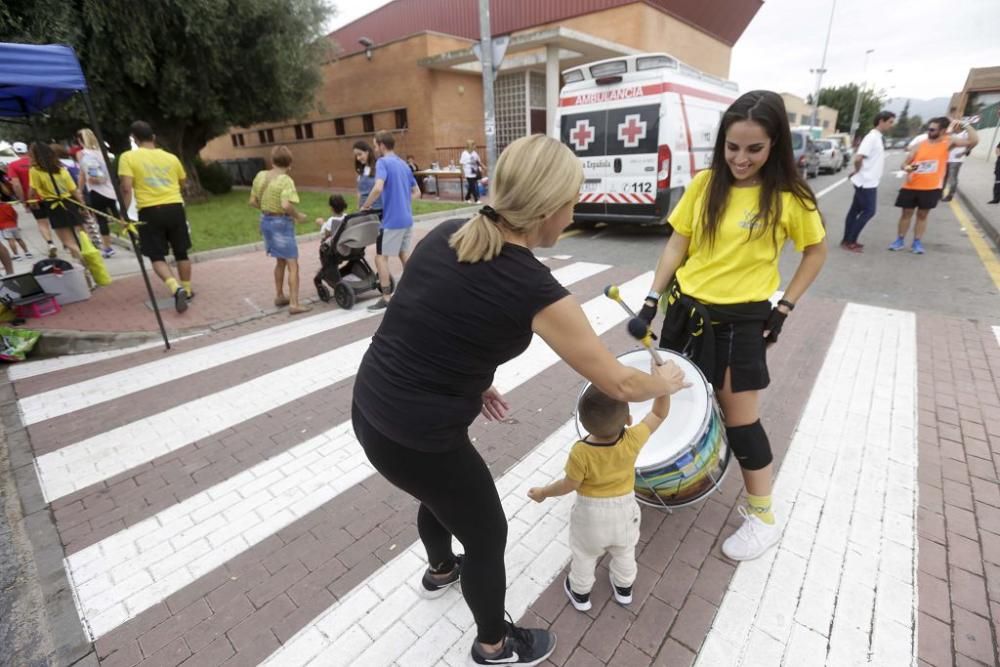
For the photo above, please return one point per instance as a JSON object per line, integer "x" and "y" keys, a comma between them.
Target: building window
{"x": 270, "y": 136}
{"x": 368, "y": 121}
{"x": 298, "y": 131}
{"x": 826, "y": 124}
{"x": 235, "y": 140}
{"x": 308, "y": 127}
{"x": 791, "y": 117}
{"x": 338, "y": 126}
{"x": 262, "y": 136}
{"x": 239, "y": 138}
{"x": 401, "y": 119}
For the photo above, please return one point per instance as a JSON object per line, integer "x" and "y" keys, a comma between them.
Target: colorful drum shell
{"x": 686, "y": 458}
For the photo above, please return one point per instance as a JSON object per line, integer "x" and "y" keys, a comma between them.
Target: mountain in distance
{"x": 926, "y": 109}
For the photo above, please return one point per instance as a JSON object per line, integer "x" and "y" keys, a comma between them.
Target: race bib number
{"x": 926, "y": 167}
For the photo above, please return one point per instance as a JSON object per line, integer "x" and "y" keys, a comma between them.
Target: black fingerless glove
{"x": 646, "y": 314}
{"x": 773, "y": 325}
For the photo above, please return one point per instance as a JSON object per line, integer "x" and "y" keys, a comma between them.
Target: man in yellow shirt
{"x": 601, "y": 469}
{"x": 155, "y": 177}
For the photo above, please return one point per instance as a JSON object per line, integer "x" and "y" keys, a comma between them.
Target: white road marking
{"x": 132, "y": 570}
{"x": 831, "y": 188}
{"x": 99, "y": 457}
{"x": 840, "y": 586}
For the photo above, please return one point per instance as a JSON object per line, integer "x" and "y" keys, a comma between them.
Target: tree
{"x": 191, "y": 68}
{"x": 902, "y": 127}
{"x": 842, "y": 98}
{"x": 916, "y": 125}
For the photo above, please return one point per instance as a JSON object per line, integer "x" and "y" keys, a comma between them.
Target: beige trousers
{"x": 598, "y": 526}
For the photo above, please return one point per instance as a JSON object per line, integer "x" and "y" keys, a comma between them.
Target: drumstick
{"x": 640, "y": 331}
{"x": 611, "y": 291}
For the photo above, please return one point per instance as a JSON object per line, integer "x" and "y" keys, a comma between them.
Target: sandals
{"x": 298, "y": 310}
{"x": 281, "y": 302}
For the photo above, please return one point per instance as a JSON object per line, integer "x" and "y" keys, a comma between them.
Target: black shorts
{"x": 741, "y": 349}
{"x": 164, "y": 231}
{"x": 41, "y": 212}
{"x": 65, "y": 216}
{"x": 922, "y": 199}
{"x": 99, "y": 202}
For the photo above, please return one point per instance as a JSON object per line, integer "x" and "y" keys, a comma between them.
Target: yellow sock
{"x": 172, "y": 284}
{"x": 760, "y": 507}
{"x": 186, "y": 284}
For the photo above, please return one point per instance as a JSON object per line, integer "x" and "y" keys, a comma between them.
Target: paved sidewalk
{"x": 975, "y": 188}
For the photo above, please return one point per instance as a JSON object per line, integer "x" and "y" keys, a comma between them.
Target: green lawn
{"x": 226, "y": 220}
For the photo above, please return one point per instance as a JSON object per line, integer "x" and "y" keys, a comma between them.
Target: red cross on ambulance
{"x": 632, "y": 130}
{"x": 583, "y": 135}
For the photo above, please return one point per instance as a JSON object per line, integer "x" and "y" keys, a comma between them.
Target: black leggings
{"x": 472, "y": 188}
{"x": 457, "y": 497}
{"x": 99, "y": 202}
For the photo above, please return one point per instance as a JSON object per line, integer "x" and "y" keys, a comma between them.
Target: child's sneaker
{"x": 622, "y": 594}
{"x": 898, "y": 244}
{"x": 16, "y": 258}
{"x": 433, "y": 587}
{"x": 521, "y": 646}
{"x": 918, "y": 247}
{"x": 580, "y": 602}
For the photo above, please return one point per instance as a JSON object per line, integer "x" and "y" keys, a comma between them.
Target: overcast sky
{"x": 928, "y": 44}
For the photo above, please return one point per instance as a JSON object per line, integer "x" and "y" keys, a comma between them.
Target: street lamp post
{"x": 822, "y": 67}
{"x": 861, "y": 91}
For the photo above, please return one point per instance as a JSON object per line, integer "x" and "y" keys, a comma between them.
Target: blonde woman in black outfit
{"x": 472, "y": 298}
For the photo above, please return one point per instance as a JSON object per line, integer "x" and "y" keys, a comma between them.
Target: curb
{"x": 992, "y": 230}
{"x": 70, "y": 640}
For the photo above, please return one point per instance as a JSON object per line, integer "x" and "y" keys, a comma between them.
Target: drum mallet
{"x": 640, "y": 331}
{"x": 611, "y": 291}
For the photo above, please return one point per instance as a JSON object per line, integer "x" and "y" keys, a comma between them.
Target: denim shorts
{"x": 279, "y": 236}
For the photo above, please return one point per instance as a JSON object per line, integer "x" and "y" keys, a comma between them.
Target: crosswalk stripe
{"x": 133, "y": 569}
{"x": 104, "y": 455}
{"x": 839, "y": 587}
{"x": 537, "y": 550}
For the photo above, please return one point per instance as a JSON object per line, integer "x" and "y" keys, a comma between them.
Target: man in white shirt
{"x": 868, "y": 163}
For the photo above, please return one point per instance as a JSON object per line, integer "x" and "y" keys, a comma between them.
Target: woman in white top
{"x": 94, "y": 180}
{"x": 471, "y": 167}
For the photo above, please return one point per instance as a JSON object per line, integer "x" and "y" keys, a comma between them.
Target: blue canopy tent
{"x": 34, "y": 77}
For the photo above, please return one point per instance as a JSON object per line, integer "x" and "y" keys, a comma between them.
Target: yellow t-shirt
{"x": 41, "y": 183}
{"x": 279, "y": 190}
{"x": 607, "y": 471}
{"x": 735, "y": 269}
{"x": 156, "y": 176}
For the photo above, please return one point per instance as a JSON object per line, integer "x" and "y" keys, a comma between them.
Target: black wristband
{"x": 787, "y": 304}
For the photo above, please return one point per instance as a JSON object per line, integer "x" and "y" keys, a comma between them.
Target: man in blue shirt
{"x": 395, "y": 183}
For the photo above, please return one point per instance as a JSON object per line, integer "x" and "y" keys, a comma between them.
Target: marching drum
{"x": 686, "y": 458}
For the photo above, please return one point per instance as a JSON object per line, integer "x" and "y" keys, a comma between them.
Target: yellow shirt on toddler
{"x": 607, "y": 470}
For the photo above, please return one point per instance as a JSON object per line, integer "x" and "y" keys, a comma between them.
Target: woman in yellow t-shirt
{"x": 50, "y": 182}
{"x": 719, "y": 270}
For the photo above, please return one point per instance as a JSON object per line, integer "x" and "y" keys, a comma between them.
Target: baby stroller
{"x": 342, "y": 260}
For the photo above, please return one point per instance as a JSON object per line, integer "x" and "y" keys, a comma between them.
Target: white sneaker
{"x": 752, "y": 539}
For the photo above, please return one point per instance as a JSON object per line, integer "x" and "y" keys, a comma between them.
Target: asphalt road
{"x": 949, "y": 279}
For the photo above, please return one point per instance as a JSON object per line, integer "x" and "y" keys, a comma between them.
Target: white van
{"x": 642, "y": 126}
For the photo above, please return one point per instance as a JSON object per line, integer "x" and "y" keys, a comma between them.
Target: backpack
{"x": 93, "y": 167}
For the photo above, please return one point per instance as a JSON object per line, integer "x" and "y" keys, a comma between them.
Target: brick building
{"x": 410, "y": 67}
{"x": 800, "y": 113}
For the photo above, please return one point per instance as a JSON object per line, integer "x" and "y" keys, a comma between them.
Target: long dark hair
{"x": 779, "y": 174}
{"x": 360, "y": 166}
{"x": 45, "y": 158}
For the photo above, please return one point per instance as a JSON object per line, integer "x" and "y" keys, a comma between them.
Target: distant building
{"x": 982, "y": 89}
{"x": 410, "y": 67}
{"x": 800, "y": 113}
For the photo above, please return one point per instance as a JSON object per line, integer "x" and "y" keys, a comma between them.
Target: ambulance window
{"x": 609, "y": 69}
{"x": 573, "y": 76}
{"x": 655, "y": 62}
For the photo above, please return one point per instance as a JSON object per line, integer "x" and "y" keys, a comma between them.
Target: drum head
{"x": 688, "y": 410}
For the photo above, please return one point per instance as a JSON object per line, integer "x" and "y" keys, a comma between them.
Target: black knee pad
{"x": 750, "y": 445}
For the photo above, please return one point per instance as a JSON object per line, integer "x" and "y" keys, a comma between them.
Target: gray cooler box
{"x": 69, "y": 287}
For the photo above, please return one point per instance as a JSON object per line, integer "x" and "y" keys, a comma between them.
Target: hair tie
{"x": 490, "y": 213}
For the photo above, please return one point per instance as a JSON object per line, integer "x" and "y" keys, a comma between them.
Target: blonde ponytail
{"x": 535, "y": 177}
{"x": 478, "y": 240}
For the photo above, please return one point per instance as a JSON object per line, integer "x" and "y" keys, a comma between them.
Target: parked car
{"x": 843, "y": 141}
{"x": 806, "y": 155}
{"x": 830, "y": 157}
{"x": 898, "y": 143}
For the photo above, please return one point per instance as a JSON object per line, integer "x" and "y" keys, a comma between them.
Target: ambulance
{"x": 642, "y": 125}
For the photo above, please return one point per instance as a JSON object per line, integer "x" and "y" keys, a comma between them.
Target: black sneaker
{"x": 521, "y": 646}
{"x": 180, "y": 300}
{"x": 434, "y": 587}
{"x": 622, "y": 594}
{"x": 579, "y": 602}
{"x": 381, "y": 304}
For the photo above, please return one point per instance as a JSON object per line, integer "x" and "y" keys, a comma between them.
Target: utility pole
{"x": 489, "y": 111}
{"x": 861, "y": 92}
{"x": 822, "y": 68}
